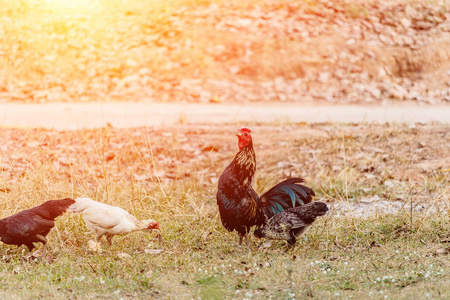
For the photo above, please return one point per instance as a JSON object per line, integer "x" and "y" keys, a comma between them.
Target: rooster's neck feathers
{"x": 244, "y": 166}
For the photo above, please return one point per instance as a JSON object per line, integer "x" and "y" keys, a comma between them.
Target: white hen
{"x": 106, "y": 220}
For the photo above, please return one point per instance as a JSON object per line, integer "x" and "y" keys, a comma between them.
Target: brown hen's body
{"x": 240, "y": 206}
{"x": 32, "y": 225}
{"x": 292, "y": 223}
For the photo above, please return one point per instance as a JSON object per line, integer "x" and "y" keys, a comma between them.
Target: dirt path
{"x": 128, "y": 114}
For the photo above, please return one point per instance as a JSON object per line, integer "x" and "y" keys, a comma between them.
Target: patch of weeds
{"x": 211, "y": 292}
{"x": 207, "y": 280}
{"x": 242, "y": 284}
{"x": 347, "y": 285}
{"x": 324, "y": 266}
{"x": 209, "y": 287}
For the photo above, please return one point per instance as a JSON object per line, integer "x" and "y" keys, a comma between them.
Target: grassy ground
{"x": 170, "y": 174}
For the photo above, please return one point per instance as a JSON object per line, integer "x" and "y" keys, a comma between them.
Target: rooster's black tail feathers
{"x": 286, "y": 194}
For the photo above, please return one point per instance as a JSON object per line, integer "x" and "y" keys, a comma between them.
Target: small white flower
{"x": 324, "y": 272}
{"x": 116, "y": 292}
{"x": 352, "y": 269}
{"x": 345, "y": 263}
{"x": 336, "y": 294}
{"x": 81, "y": 278}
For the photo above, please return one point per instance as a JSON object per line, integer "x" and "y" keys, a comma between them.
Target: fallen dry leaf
{"x": 149, "y": 274}
{"x": 265, "y": 244}
{"x": 443, "y": 251}
{"x": 94, "y": 246}
{"x": 153, "y": 251}
{"x": 123, "y": 255}
{"x": 250, "y": 271}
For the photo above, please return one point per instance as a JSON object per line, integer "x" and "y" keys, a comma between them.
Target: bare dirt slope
{"x": 225, "y": 51}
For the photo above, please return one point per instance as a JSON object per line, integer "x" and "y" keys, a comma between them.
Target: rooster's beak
{"x": 239, "y": 133}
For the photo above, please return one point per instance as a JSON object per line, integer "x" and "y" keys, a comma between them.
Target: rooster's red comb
{"x": 246, "y": 129}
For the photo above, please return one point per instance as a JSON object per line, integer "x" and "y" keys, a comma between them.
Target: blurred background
{"x": 234, "y": 51}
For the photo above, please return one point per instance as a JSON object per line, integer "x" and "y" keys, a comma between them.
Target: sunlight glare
{"x": 72, "y": 6}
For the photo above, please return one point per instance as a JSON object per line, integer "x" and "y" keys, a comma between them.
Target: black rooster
{"x": 291, "y": 223}
{"x": 239, "y": 205}
{"x": 32, "y": 225}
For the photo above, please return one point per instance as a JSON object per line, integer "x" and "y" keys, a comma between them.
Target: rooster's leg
{"x": 247, "y": 241}
{"x": 240, "y": 239}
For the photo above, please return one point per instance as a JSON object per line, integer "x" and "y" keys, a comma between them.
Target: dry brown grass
{"x": 170, "y": 174}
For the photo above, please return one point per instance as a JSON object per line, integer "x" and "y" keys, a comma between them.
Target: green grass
{"x": 170, "y": 175}
{"x": 345, "y": 256}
